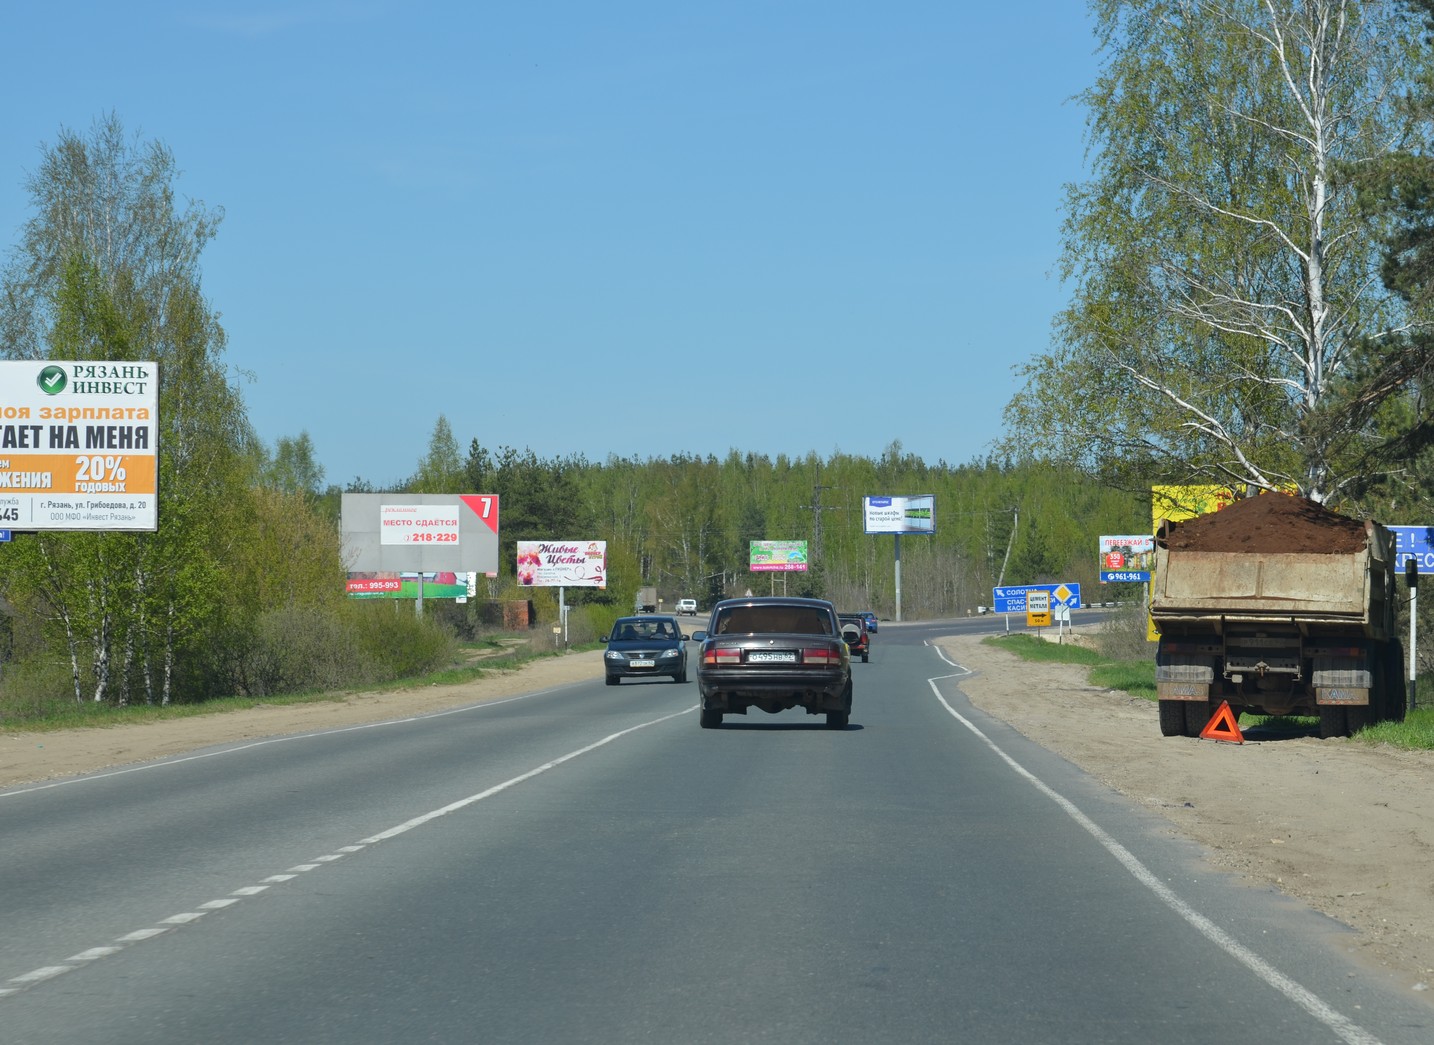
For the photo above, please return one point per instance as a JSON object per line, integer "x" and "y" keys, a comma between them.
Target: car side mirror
{"x": 699, "y": 636}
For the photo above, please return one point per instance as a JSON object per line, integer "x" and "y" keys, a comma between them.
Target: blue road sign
{"x": 4, "y": 535}
{"x": 1416, "y": 542}
{"x": 1012, "y": 598}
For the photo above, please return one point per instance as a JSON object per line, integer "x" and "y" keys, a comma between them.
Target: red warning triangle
{"x": 1223, "y": 726}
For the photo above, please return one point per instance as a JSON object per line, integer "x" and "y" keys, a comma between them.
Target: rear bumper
{"x": 736, "y": 689}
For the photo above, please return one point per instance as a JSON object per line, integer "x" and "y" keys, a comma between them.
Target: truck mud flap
{"x": 1182, "y": 691}
{"x": 1183, "y": 674}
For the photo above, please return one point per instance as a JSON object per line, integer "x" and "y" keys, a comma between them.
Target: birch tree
{"x": 108, "y": 268}
{"x": 1227, "y": 320}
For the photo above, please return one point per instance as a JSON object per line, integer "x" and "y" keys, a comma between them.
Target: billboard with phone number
{"x": 777, "y": 556}
{"x": 79, "y": 444}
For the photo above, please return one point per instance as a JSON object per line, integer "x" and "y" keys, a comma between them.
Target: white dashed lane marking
{"x": 16, "y": 984}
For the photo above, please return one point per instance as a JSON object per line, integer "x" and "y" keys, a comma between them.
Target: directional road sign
{"x": 1012, "y": 598}
{"x": 1415, "y": 541}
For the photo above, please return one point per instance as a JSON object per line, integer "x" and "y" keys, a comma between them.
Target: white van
{"x": 687, "y": 606}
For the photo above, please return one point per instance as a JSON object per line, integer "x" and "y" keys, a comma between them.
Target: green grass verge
{"x": 1137, "y": 677}
{"x": 496, "y": 657}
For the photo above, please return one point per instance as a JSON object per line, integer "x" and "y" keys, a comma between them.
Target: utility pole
{"x": 817, "y": 508}
{"x": 1015, "y": 521}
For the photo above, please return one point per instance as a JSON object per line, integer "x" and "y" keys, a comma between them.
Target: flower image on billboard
{"x": 562, "y": 564}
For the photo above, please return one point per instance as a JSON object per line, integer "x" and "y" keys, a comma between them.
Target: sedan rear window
{"x": 772, "y": 620}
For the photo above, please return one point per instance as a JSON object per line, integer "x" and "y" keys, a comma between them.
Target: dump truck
{"x": 1280, "y": 607}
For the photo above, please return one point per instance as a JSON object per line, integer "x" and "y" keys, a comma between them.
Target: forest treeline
{"x": 685, "y": 522}
{"x": 1251, "y": 268}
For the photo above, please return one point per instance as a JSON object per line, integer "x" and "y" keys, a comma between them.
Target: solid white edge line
{"x": 1306, "y": 999}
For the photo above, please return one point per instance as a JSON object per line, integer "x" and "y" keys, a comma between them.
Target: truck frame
{"x": 1277, "y": 633}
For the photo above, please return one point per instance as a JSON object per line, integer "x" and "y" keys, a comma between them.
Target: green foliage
{"x": 1136, "y": 677}
{"x": 34, "y": 688}
{"x": 395, "y": 641}
{"x": 299, "y": 649}
{"x": 293, "y": 468}
{"x": 1415, "y": 733}
{"x": 441, "y": 470}
{"x": 1031, "y": 647}
{"x": 1225, "y": 324}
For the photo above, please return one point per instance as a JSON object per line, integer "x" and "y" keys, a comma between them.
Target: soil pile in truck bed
{"x": 1271, "y": 522}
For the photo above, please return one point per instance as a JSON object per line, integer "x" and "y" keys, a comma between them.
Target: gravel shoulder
{"x": 1345, "y": 827}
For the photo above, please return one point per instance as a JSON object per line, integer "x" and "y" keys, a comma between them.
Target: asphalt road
{"x": 587, "y": 865}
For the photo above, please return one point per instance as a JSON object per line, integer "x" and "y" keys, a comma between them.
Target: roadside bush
{"x": 1122, "y": 635}
{"x": 36, "y": 687}
{"x": 303, "y": 648}
{"x": 597, "y": 622}
{"x": 393, "y": 642}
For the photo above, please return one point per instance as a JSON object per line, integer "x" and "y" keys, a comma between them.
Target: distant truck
{"x": 1280, "y": 607}
{"x": 647, "y": 599}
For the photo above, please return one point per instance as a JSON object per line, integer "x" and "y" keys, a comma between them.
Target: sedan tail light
{"x": 722, "y": 656}
{"x": 820, "y": 655}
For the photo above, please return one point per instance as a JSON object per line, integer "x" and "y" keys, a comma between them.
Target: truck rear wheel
{"x": 1332, "y": 722}
{"x": 1172, "y": 718}
{"x": 1197, "y": 717}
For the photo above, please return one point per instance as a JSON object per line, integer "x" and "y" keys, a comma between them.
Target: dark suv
{"x": 773, "y": 653}
{"x": 857, "y": 634}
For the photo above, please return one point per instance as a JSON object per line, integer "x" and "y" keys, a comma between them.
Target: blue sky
{"x": 631, "y": 228}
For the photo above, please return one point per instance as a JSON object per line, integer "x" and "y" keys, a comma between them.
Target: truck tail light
{"x": 820, "y": 655}
{"x": 722, "y": 656}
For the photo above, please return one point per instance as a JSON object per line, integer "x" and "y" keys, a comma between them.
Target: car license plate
{"x": 771, "y": 656}
{"x": 642, "y": 663}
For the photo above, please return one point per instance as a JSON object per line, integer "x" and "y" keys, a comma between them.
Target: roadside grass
{"x": 475, "y": 660}
{"x": 1137, "y": 677}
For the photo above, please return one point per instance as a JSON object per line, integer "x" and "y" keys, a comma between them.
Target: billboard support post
{"x": 898, "y": 577}
{"x": 1411, "y": 574}
{"x": 898, "y": 515}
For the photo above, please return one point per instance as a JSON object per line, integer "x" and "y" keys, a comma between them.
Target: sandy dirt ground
{"x": 1344, "y": 827}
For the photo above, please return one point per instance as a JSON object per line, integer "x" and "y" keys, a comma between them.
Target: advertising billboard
{"x": 1126, "y": 558}
{"x": 79, "y": 444}
{"x": 419, "y": 533}
{"x": 915, "y": 514}
{"x": 777, "y": 556}
{"x": 562, "y": 564}
{"x": 439, "y": 584}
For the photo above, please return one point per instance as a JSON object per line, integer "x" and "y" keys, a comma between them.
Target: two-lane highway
{"x": 586, "y": 865}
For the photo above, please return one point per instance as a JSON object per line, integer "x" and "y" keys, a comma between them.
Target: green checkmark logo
{"x": 52, "y": 380}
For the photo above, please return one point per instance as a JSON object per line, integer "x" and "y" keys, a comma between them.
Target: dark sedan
{"x": 643, "y": 646}
{"x": 773, "y": 653}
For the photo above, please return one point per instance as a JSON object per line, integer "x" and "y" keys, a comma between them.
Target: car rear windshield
{"x": 779, "y": 620}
